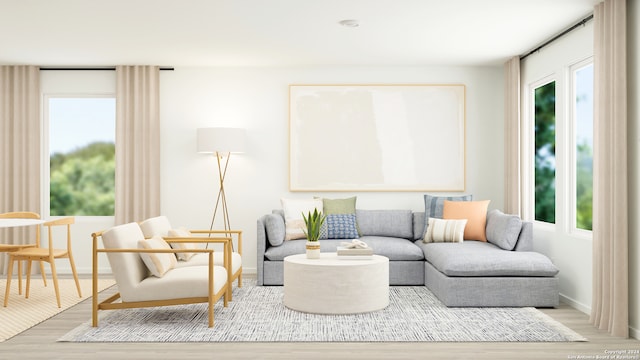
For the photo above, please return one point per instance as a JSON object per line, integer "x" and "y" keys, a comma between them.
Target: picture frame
{"x": 377, "y": 137}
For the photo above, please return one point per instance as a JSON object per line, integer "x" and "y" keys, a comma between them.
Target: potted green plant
{"x": 313, "y": 222}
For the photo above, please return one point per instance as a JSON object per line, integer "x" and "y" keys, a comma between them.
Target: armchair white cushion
{"x": 160, "y": 225}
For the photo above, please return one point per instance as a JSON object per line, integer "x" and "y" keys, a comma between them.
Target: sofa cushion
{"x": 339, "y": 226}
{"x": 418, "y": 225}
{"x": 441, "y": 230}
{"x": 181, "y": 232}
{"x": 157, "y": 263}
{"x": 502, "y": 229}
{"x": 340, "y": 222}
{"x": 274, "y": 226}
{"x": 339, "y": 206}
{"x": 475, "y": 258}
{"x": 433, "y": 206}
{"x": 395, "y": 249}
{"x": 474, "y": 211}
{"x": 293, "y": 210}
{"x": 391, "y": 223}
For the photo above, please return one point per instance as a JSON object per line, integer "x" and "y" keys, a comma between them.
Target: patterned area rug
{"x": 21, "y": 314}
{"x": 257, "y": 314}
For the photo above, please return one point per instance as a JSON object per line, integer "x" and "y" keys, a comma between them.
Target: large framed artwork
{"x": 377, "y": 137}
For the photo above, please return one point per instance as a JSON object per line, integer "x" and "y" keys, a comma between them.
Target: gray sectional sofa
{"x": 471, "y": 273}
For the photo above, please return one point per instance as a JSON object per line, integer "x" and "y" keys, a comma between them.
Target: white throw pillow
{"x": 182, "y": 233}
{"x": 440, "y": 230}
{"x": 157, "y": 263}
{"x": 293, "y": 221}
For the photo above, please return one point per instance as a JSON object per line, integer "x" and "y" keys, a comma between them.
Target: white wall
{"x": 257, "y": 99}
{"x": 570, "y": 252}
{"x": 633, "y": 78}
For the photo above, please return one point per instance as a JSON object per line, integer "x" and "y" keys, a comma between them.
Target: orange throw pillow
{"x": 474, "y": 211}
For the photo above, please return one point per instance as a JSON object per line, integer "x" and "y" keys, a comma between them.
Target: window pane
{"x": 583, "y": 80}
{"x": 545, "y": 152}
{"x": 82, "y": 156}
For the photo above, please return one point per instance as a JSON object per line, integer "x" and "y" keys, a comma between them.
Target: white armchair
{"x": 161, "y": 226}
{"x": 125, "y": 246}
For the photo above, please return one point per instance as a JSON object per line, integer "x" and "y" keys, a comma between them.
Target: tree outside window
{"x": 545, "y": 152}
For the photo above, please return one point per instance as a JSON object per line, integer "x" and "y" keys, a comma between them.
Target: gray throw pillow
{"x": 502, "y": 229}
{"x": 274, "y": 224}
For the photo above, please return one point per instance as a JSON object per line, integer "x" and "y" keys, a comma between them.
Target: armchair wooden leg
{"x": 9, "y": 274}
{"x": 240, "y": 279}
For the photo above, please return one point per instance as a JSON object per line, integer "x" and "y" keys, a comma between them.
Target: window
{"x": 583, "y": 124}
{"x": 545, "y": 152}
{"x": 81, "y": 154}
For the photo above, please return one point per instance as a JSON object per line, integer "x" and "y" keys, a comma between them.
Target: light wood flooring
{"x": 39, "y": 342}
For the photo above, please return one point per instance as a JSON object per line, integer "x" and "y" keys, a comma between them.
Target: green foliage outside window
{"x": 83, "y": 181}
{"x": 545, "y": 152}
{"x": 584, "y": 187}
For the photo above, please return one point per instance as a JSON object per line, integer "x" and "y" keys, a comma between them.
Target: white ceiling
{"x": 278, "y": 32}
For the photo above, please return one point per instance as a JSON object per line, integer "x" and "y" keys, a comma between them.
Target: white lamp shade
{"x": 221, "y": 140}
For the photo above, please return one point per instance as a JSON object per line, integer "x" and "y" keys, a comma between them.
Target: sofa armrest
{"x": 262, "y": 243}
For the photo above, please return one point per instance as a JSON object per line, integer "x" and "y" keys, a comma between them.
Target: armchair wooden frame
{"x": 228, "y": 241}
{"x": 238, "y": 274}
{"x": 111, "y": 304}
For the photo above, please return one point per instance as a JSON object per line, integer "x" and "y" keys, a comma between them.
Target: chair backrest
{"x": 19, "y": 215}
{"x": 158, "y": 225}
{"x": 128, "y": 268}
{"x": 67, "y": 221}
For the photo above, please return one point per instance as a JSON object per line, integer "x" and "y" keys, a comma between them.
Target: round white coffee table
{"x": 336, "y": 286}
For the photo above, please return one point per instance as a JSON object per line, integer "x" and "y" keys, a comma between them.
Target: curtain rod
{"x": 112, "y": 68}
{"x": 580, "y": 23}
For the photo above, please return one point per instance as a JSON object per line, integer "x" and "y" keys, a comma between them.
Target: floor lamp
{"x": 221, "y": 142}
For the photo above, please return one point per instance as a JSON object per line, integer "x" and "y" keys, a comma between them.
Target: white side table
{"x": 335, "y": 286}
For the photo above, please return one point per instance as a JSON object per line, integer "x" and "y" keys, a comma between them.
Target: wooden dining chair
{"x": 8, "y": 248}
{"x": 49, "y": 255}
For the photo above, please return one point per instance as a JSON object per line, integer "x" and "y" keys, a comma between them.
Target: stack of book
{"x": 354, "y": 253}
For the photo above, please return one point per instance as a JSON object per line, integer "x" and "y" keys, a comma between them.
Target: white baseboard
{"x": 575, "y": 304}
{"x": 633, "y": 332}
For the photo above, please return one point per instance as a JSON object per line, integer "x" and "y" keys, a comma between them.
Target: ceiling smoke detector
{"x": 349, "y": 23}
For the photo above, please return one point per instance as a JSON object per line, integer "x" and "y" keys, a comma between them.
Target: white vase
{"x": 313, "y": 250}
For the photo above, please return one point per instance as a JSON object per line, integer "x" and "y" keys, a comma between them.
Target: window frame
{"x": 573, "y": 155}
{"x": 566, "y": 154}
{"x": 530, "y": 156}
{"x": 45, "y": 151}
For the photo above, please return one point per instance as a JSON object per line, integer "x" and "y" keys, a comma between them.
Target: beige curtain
{"x": 137, "y": 143}
{"x": 512, "y": 174}
{"x": 20, "y": 149}
{"x": 610, "y": 308}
